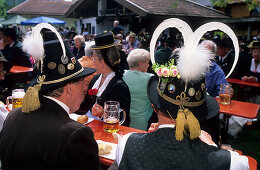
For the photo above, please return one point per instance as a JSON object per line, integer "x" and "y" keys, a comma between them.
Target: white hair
{"x": 80, "y": 38}
{"x": 210, "y": 45}
{"x": 87, "y": 49}
{"x": 136, "y": 56}
{"x": 116, "y": 22}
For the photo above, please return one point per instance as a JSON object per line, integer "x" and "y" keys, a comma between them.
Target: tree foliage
{"x": 251, "y": 4}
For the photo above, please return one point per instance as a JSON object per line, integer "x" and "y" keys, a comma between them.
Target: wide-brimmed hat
{"x": 104, "y": 40}
{"x": 255, "y": 44}
{"x": 56, "y": 65}
{"x": 7, "y": 64}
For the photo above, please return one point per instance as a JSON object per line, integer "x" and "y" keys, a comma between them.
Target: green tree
{"x": 2, "y": 9}
{"x": 251, "y": 4}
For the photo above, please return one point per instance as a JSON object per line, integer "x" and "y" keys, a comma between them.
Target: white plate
{"x": 74, "y": 116}
{"x": 112, "y": 154}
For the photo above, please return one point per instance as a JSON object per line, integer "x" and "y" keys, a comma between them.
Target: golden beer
{"x": 17, "y": 102}
{"x": 224, "y": 99}
{"x": 111, "y": 126}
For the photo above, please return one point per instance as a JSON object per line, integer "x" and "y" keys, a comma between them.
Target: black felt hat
{"x": 196, "y": 93}
{"x": 256, "y": 44}
{"x": 225, "y": 42}
{"x": 7, "y": 64}
{"x": 104, "y": 40}
{"x": 10, "y": 32}
{"x": 56, "y": 65}
{"x": 179, "y": 91}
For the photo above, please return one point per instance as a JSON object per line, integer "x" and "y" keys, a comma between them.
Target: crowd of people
{"x": 81, "y": 74}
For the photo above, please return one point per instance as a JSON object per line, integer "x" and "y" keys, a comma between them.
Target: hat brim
{"x": 45, "y": 88}
{"x": 207, "y": 111}
{"x": 95, "y": 47}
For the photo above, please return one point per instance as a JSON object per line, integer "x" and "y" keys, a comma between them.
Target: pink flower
{"x": 159, "y": 72}
{"x": 165, "y": 72}
{"x": 174, "y": 72}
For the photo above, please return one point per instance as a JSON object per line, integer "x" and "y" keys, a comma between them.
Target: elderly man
{"x": 180, "y": 102}
{"x": 40, "y": 134}
{"x": 215, "y": 76}
{"x": 117, "y": 28}
{"x": 13, "y": 49}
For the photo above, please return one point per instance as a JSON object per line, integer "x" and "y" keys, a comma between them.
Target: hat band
{"x": 180, "y": 102}
{"x": 64, "y": 78}
{"x": 105, "y": 46}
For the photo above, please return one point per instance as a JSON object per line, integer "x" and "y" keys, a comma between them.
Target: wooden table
{"x": 97, "y": 127}
{"x": 238, "y": 108}
{"x": 20, "y": 69}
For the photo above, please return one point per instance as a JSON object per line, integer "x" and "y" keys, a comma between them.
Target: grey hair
{"x": 88, "y": 50}
{"x": 56, "y": 93}
{"x": 136, "y": 56}
{"x": 210, "y": 45}
{"x": 80, "y": 38}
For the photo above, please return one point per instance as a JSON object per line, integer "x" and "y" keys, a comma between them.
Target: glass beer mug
{"x": 112, "y": 116}
{"x": 16, "y": 99}
{"x": 225, "y": 94}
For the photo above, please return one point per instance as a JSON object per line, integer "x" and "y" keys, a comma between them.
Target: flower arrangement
{"x": 165, "y": 72}
{"x": 92, "y": 92}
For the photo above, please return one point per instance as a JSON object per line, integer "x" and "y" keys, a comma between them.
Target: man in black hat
{"x": 225, "y": 54}
{"x": 40, "y": 134}
{"x": 13, "y": 49}
{"x": 163, "y": 55}
{"x": 180, "y": 101}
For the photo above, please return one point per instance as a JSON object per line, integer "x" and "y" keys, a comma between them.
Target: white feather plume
{"x": 33, "y": 45}
{"x": 193, "y": 63}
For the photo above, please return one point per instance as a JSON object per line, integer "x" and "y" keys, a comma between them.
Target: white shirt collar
{"x": 105, "y": 83}
{"x": 166, "y": 126}
{"x": 253, "y": 69}
{"x": 64, "y": 106}
{"x": 11, "y": 44}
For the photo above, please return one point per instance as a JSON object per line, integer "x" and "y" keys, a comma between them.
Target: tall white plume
{"x": 193, "y": 63}
{"x": 33, "y": 45}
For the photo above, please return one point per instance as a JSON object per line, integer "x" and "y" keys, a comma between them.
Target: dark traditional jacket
{"x": 116, "y": 90}
{"x": 47, "y": 139}
{"x": 160, "y": 150}
{"x": 16, "y": 55}
{"x": 227, "y": 63}
{"x": 79, "y": 52}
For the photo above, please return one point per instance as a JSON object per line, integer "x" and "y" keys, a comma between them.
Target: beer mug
{"x": 16, "y": 99}
{"x": 225, "y": 94}
{"x": 112, "y": 116}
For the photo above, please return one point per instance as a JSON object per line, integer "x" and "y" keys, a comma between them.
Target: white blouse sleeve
{"x": 121, "y": 147}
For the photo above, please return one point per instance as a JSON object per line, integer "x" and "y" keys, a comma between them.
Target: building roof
{"x": 170, "y": 8}
{"x": 41, "y": 7}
